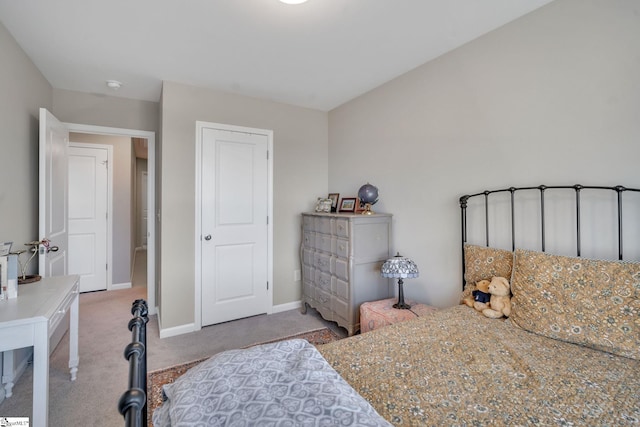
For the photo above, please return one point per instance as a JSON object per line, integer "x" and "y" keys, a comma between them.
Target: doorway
{"x": 89, "y": 213}
{"x": 149, "y": 137}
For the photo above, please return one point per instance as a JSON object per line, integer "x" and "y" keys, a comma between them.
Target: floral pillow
{"x": 583, "y": 301}
{"x": 483, "y": 263}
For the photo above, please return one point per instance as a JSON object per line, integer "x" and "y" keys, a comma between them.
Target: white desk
{"x": 30, "y": 319}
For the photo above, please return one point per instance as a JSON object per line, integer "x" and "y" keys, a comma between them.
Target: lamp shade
{"x": 399, "y": 267}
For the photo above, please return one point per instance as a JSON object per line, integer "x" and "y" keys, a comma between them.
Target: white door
{"x": 53, "y": 195}
{"x": 88, "y": 207}
{"x": 234, "y": 199}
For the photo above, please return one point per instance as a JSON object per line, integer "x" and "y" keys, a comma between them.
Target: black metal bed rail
{"x": 133, "y": 402}
{"x": 619, "y": 189}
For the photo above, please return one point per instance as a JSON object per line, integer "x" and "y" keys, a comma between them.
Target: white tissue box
{"x": 9, "y": 276}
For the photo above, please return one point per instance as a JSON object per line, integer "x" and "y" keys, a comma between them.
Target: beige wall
{"x": 99, "y": 110}
{"x": 552, "y": 98}
{"x": 300, "y": 175}
{"x": 23, "y": 91}
{"x": 123, "y": 233}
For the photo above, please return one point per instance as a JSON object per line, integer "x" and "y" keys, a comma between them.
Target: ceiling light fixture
{"x": 114, "y": 84}
{"x": 293, "y": 1}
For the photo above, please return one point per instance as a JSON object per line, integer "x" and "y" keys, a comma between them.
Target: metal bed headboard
{"x": 619, "y": 189}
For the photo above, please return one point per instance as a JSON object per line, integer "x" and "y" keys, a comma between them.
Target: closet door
{"x": 234, "y": 224}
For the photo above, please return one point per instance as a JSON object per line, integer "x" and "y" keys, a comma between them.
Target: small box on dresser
{"x": 341, "y": 256}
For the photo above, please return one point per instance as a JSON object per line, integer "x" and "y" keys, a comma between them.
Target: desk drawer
{"x": 62, "y": 309}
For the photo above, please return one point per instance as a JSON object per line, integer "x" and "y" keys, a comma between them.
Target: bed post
{"x": 578, "y": 187}
{"x": 133, "y": 402}
{"x": 619, "y": 189}
{"x": 512, "y": 190}
{"x": 542, "y": 229}
{"x": 463, "y": 218}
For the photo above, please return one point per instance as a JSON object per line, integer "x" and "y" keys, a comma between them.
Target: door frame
{"x": 109, "y": 149}
{"x": 151, "y": 195}
{"x": 200, "y": 125}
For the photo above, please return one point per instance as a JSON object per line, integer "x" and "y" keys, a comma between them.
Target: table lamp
{"x": 399, "y": 268}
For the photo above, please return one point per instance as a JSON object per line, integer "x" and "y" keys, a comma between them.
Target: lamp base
{"x": 401, "y": 306}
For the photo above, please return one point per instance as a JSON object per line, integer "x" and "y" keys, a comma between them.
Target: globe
{"x": 368, "y": 194}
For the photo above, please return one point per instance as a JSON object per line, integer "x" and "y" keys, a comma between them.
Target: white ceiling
{"x": 319, "y": 54}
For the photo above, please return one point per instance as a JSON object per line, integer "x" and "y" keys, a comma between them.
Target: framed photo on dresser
{"x": 334, "y": 201}
{"x": 348, "y": 204}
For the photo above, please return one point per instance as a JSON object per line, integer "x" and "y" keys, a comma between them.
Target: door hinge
{"x": 267, "y": 220}
{"x": 106, "y": 267}
{"x": 267, "y": 285}
{"x": 267, "y": 154}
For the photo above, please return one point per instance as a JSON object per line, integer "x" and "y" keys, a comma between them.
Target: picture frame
{"x": 323, "y": 205}
{"x": 360, "y": 206}
{"x": 4, "y": 290}
{"x": 348, "y": 204}
{"x": 5, "y": 248}
{"x": 334, "y": 201}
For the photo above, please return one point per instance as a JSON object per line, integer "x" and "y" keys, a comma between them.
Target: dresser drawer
{"x": 323, "y": 242}
{"x": 323, "y": 225}
{"x": 323, "y": 280}
{"x": 322, "y": 261}
{"x": 307, "y": 257}
{"x": 342, "y": 227}
{"x": 340, "y": 307}
{"x": 308, "y": 239}
{"x": 62, "y": 309}
{"x": 323, "y": 298}
{"x": 342, "y": 269}
{"x": 342, "y": 289}
{"x": 308, "y": 289}
{"x": 308, "y": 222}
{"x": 308, "y": 273}
{"x": 342, "y": 248}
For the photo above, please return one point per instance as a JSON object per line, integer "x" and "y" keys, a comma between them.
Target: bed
{"x": 569, "y": 354}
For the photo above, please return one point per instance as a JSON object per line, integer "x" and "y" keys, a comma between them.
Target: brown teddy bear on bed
{"x": 500, "y": 300}
{"x": 479, "y": 296}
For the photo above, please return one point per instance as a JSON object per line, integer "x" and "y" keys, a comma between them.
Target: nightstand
{"x": 377, "y": 314}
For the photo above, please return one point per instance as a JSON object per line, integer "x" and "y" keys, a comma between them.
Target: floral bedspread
{"x": 456, "y": 367}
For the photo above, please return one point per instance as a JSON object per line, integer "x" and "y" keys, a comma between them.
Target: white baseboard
{"x": 190, "y": 327}
{"x": 286, "y": 307}
{"x": 176, "y": 330}
{"x": 118, "y": 286}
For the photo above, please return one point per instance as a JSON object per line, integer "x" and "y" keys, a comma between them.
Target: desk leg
{"x": 7, "y": 372}
{"x": 74, "y": 359}
{"x": 41, "y": 374}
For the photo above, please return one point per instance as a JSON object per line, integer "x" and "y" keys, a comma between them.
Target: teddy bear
{"x": 479, "y": 296}
{"x": 500, "y": 300}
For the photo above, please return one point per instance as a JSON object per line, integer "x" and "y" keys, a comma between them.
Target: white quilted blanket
{"x": 286, "y": 383}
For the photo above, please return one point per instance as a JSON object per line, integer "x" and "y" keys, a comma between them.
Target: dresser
{"x": 341, "y": 257}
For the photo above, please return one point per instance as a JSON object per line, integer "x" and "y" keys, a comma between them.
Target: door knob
{"x": 207, "y": 237}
